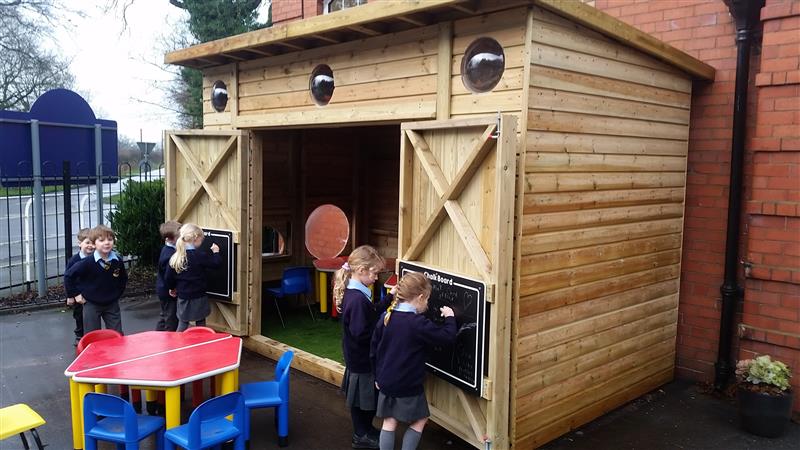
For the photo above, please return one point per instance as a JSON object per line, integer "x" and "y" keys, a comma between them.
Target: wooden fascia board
{"x": 610, "y": 26}
{"x": 370, "y": 12}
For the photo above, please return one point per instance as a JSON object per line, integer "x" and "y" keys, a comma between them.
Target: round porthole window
{"x": 321, "y": 84}
{"x": 219, "y": 96}
{"x": 482, "y": 65}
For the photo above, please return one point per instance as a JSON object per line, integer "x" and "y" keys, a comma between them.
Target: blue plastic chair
{"x": 120, "y": 423}
{"x": 271, "y": 394}
{"x": 208, "y": 426}
{"x": 296, "y": 280}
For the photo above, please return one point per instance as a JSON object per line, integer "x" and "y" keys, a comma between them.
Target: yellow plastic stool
{"x": 18, "y": 419}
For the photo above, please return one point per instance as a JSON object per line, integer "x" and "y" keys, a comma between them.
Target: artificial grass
{"x": 322, "y": 337}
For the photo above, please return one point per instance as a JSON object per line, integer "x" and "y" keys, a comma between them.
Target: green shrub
{"x": 140, "y": 210}
{"x": 765, "y": 373}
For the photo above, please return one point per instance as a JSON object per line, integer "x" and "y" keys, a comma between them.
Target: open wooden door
{"x": 208, "y": 183}
{"x": 457, "y": 182}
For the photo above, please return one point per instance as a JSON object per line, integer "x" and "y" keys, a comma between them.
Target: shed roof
{"x": 388, "y": 16}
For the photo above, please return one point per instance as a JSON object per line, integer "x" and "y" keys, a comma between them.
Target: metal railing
{"x": 68, "y": 207}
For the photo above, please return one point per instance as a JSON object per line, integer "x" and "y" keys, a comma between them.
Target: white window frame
{"x": 326, "y": 5}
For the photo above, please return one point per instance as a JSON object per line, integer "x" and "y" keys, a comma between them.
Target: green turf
{"x": 321, "y": 338}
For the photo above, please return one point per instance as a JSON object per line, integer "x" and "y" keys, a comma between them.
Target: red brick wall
{"x": 770, "y": 321}
{"x": 771, "y": 226}
{"x": 286, "y": 10}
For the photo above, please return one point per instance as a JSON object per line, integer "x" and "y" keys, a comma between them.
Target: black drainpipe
{"x": 746, "y": 14}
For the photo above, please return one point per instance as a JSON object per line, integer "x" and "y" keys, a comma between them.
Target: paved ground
{"x": 36, "y": 347}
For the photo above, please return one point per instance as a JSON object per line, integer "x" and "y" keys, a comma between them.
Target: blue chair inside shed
{"x": 208, "y": 426}
{"x": 119, "y": 424}
{"x": 295, "y": 280}
{"x": 271, "y": 394}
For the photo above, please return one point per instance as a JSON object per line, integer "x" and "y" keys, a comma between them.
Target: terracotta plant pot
{"x": 763, "y": 414}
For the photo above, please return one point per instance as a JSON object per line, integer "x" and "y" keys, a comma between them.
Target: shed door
{"x": 207, "y": 184}
{"x": 457, "y": 214}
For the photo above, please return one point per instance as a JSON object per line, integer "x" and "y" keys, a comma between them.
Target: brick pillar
{"x": 770, "y": 322}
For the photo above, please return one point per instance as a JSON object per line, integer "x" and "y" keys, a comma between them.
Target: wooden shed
{"x": 561, "y": 188}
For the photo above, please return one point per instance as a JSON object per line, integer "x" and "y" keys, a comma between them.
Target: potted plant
{"x": 765, "y": 397}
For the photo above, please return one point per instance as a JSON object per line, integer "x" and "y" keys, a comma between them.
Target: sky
{"x": 118, "y": 67}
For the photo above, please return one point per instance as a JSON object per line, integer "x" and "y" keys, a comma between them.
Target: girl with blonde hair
{"x": 186, "y": 275}
{"x": 398, "y": 353}
{"x": 353, "y": 297}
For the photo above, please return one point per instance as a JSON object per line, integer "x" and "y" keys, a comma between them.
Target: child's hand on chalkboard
{"x": 214, "y": 248}
{"x": 447, "y": 311}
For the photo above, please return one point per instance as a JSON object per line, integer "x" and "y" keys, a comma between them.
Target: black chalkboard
{"x": 462, "y": 364}
{"x": 222, "y": 280}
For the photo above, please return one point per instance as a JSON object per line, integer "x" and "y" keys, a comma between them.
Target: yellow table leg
{"x": 228, "y": 382}
{"x": 100, "y": 388}
{"x": 235, "y": 379}
{"x": 173, "y": 400}
{"x": 75, "y": 406}
{"x": 323, "y": 292}
{"x": 83, "y": 389}
{"x": 151, "y": 396}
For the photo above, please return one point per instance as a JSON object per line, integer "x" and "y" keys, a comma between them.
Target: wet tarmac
{"x": 36, "y": 347}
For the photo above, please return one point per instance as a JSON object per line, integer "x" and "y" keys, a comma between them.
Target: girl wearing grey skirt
{"x": 186, "y": 276}
{"x": 353, "y": 297}
{"x": 398, "y": 353}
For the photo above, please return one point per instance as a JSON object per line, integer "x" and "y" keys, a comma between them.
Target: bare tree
{"x": 27, "y": 70}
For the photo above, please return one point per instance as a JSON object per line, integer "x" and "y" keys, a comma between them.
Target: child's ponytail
{"x": 340, "y": 280}
{"x": 188, "y": 233}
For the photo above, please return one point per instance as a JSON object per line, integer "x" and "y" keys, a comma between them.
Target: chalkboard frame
{"x": 474, "y": 386}
{"x": 230, "y": 262}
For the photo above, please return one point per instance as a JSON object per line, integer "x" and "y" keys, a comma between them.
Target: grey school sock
{"x": 410, "y": 439}
{"x": 386, "y": 441}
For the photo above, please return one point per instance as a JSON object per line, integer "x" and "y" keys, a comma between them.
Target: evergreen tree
{"x": 210, "y": 20}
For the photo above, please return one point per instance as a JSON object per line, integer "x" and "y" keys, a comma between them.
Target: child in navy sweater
{"x": 353, "y": 297}
{"x": 168, "y": 319}
{"x": 398, "y": 352}
{"x": 98, "y": 281}
{"x": 186, "y": 276}
{"x": 86, "y": 248}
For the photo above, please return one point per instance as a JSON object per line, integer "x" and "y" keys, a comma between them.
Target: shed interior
{"x": 354, "y": 168}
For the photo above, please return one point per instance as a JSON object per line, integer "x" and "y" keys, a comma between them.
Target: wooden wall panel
{"x": 601, "y": 228}
{"x": 383, "y": 78}
{"x": 508, "y": 28}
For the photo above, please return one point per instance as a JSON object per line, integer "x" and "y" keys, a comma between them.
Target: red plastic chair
{"x": 199, "y": 330}
{"x": 100, "y": 335}
{"x": 197, "y": 386}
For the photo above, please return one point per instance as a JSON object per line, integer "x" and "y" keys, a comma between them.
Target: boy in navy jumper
{"x": 398, "y": 352}
{"x": 168, "y": 320}
{"x": 352, "y": 294}
{"x": 98, "y": 281}
{"x": 86, "y": 248}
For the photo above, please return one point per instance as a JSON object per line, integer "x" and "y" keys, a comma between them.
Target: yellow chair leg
{"x": 75, "y": 406}
{"x": 100, "y": 388}
{"x": 323, "y": 292}
{"x": 173, "y": 400}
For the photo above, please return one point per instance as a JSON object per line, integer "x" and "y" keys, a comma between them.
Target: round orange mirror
{"x": 327, "y": 232}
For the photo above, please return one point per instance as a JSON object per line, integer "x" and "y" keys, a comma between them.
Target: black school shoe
{"x": 365, "y": 442}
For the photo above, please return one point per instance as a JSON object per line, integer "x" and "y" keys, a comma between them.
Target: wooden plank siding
{"x": 600, "y": 229}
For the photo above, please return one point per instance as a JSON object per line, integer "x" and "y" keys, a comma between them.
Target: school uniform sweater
{"x": 191, "y": 283}
{"x": 399, "y": 351}
{"x": 163, "y": 263}
{"x": 359, "y": 315}
{"x": 77, "y": 257}
{"x": 98, "y": 281}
